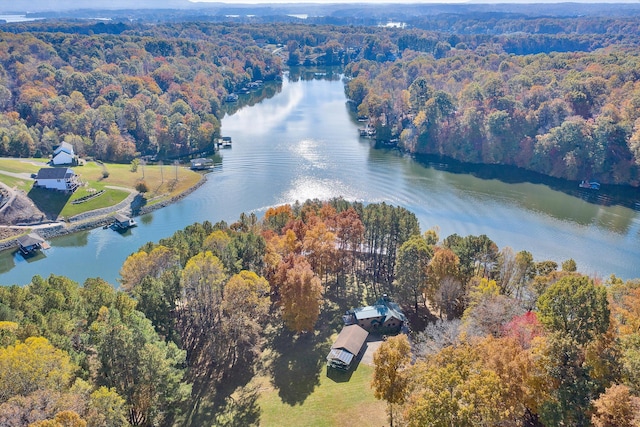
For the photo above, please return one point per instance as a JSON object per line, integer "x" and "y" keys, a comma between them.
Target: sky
{"x": 405, "y": 1}
{"x": 319, "y": 1}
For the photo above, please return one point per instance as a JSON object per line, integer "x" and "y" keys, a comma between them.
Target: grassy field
{"x": 163, "y": 183}
{"x": 333, "y": 402}
{"x": 291, "y": 385}
{"x": 22, "y": 165}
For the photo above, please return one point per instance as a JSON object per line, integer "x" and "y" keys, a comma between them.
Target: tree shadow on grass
{"x": 297, "y": 363}
{"x": 239, "y": 410}
{"x": 50, "y": 202}
{"x": 225, "y": 395}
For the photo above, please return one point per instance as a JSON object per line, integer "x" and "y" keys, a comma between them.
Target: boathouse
{"x": 347, "y": 347}
{"x": 29, "y": 243}
{"x": 123, "y": 222}
{"x": 201, "y": 164}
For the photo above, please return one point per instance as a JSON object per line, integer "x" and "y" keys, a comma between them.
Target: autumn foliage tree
{"x": 300, "y": 293}
{"x": 390, "y": 377}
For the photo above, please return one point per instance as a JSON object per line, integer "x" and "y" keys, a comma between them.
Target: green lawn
{"x": 163, "y": 183}
{"x": 21, "y": 184}
{"x": 22, "y": 165}
{"x": 331, "y": 403}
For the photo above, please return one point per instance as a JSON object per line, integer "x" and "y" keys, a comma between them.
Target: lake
{"x": 303, "y": 143}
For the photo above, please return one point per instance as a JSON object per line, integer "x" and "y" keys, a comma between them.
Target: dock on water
{"x": 29, "y": 243}
{"x": 123, "y": 222}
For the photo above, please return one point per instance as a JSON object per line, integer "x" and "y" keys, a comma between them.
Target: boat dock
{"x": 122, "y": 222}
{"x": 30, "y": 243}
{"x": 224, "y": 142}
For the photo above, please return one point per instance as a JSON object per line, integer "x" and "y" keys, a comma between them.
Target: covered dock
{"x": 123, "y": 222}
{"x": 31, "y": 242}
{"x": 201, "y": 164}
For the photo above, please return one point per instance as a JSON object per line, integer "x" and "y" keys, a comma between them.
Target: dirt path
{"x": 373, "y": 342}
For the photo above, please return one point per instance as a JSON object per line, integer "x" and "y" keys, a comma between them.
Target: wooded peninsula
{"x": 211, "y": 322}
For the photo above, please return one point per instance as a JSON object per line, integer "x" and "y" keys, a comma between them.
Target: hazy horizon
{"x": 266, "y": 2}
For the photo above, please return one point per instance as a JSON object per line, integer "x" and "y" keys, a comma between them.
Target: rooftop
{"x": 383, "y": 307}
{"x": 66, "y": 147}
{"x": 54, "y": 173}
{"x": 31, "y": 239}
{"x": 351, "y": 338}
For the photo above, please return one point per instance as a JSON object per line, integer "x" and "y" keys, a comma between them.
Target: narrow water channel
{"x": 303, "y": 143}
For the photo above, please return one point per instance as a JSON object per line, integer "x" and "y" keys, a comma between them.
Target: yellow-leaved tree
{"x": 33, "y": 365}
{"x": 390, "y": 379}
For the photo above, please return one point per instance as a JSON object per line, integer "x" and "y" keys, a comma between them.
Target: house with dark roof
{"x": 347, "y": 346}
{"x": 63, "y": 179}
{"x": 63, "y": 155}
{"x": 384, "y": 315}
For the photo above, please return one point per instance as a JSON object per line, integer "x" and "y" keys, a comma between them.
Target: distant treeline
{"x": 552, "y": 95}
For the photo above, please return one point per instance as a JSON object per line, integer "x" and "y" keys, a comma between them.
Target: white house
{"x": 63, "y": 179}
{"x": 63, "y": 155}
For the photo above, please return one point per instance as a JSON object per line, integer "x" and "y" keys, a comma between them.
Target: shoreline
{"x": 96, "y": 220}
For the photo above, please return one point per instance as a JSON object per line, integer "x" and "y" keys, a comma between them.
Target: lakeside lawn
{"x": 161, "y": 182}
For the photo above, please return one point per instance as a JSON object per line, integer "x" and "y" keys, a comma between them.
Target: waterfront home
{"x": 63, "y": 179}
{"x": 385, "y": 315}
{"x": 346, "y": 347}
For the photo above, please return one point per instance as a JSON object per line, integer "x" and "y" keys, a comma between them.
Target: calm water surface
{"x": 303, "y": 144}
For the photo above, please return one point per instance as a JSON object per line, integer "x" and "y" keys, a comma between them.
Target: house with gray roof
{"x": 63, "y": 179}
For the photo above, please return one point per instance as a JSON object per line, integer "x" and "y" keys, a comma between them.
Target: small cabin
{"x": 29, "y": 243}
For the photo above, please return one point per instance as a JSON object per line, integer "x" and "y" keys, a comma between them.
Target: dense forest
{"x": 512, "y": 340}
{"x": 557, "y": 96}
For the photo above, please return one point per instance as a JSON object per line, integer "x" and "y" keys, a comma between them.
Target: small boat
{"x": 591, "y": 185}
{"x": 224, "y": 142}
{"x": 232, "y": 97}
